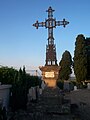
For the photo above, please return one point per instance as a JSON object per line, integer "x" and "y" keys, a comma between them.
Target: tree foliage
{"x": 20, "y": 89}
{"x": 21, "y": 82}
{"x": 80, "y": 59}
{"x": 65, "y": 63}
{"x": 8, "y": 75}
{"x": 60, "y": 84}
{"x": 3, "y": 114}
{"x": 87, "y": 41}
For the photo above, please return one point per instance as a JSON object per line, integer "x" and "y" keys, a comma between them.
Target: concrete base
{"x": 50, "y": 74}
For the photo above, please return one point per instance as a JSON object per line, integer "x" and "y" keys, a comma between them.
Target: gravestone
{"x": 88, "y": 85}
{"x": 66, "y": 86}
{"x": 43, "y": 85}
{"x": 32, "y": 94}
{"x": 40, "y": 91}
{"x": 75, "y": 88}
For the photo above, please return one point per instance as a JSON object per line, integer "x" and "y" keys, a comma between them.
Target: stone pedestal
{"x": 50, "y": 74}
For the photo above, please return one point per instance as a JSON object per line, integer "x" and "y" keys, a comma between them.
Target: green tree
{"x": 80, "y": 59}
{"x": 3, "y": 115}
{"x": 8, "y": 75}
{"x": 19, "y": 91}
{"x": 21, "y": 82}
{"x": 60, "y": 84}
{"x": 87, "y": 41}
{"x": 65, "y": 63}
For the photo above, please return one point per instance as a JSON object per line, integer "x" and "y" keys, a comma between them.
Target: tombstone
{"x": 71, "y": 85}
{"x": 43, "y": 85}
{"x": 66, "y": 86}
{"x": 75, "y": 88}
{"x": 32, "y": 94}
{"x": 40, "y": 91}
{"x": 37, "y": 92}
{"x": 88, "y": 86}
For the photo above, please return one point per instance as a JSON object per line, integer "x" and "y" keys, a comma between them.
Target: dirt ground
{"x": 48, "y": 107}
{"x": 81, "y": 97}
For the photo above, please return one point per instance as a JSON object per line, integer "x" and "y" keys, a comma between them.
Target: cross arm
{"x": 39, "y": 24}
{"x": 64, "y": 23}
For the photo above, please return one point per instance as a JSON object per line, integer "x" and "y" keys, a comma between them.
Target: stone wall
{"x": 4, "y": 95}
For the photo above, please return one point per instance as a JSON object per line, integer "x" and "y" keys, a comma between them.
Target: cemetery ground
{"x": 53, "y": 104}
{"x": 81, "y": 98}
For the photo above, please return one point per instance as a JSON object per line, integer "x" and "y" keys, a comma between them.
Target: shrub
{"x": 60, "y": 84}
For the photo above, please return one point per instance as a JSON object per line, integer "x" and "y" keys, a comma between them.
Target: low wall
{"x": 4, "y": 95}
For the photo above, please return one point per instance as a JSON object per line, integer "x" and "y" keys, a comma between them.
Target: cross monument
{"x": 51, "y": 69}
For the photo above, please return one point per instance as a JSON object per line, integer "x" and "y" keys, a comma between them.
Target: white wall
{"x": 5, "y": 95}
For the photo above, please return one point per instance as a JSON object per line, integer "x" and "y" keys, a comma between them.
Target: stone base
{"x": 50, "y": 82}
{"x": 50, "y": 74}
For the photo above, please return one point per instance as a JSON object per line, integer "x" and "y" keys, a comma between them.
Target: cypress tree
{"x": 65, "y": 63}
{"x": 80, "y": 59}
{"x": 87, "y": 41}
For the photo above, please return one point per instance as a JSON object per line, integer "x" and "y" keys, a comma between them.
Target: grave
{"x": 75, "y": 88}
{"x": 88, "y": 85}
{"x": 34, "y": 93}
{"x": 66, "y": 86}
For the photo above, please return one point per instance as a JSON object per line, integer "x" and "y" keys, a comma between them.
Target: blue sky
{"x": 22, "y": 44}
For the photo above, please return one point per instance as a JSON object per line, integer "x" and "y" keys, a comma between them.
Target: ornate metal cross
{"x": 50, "y": 23}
